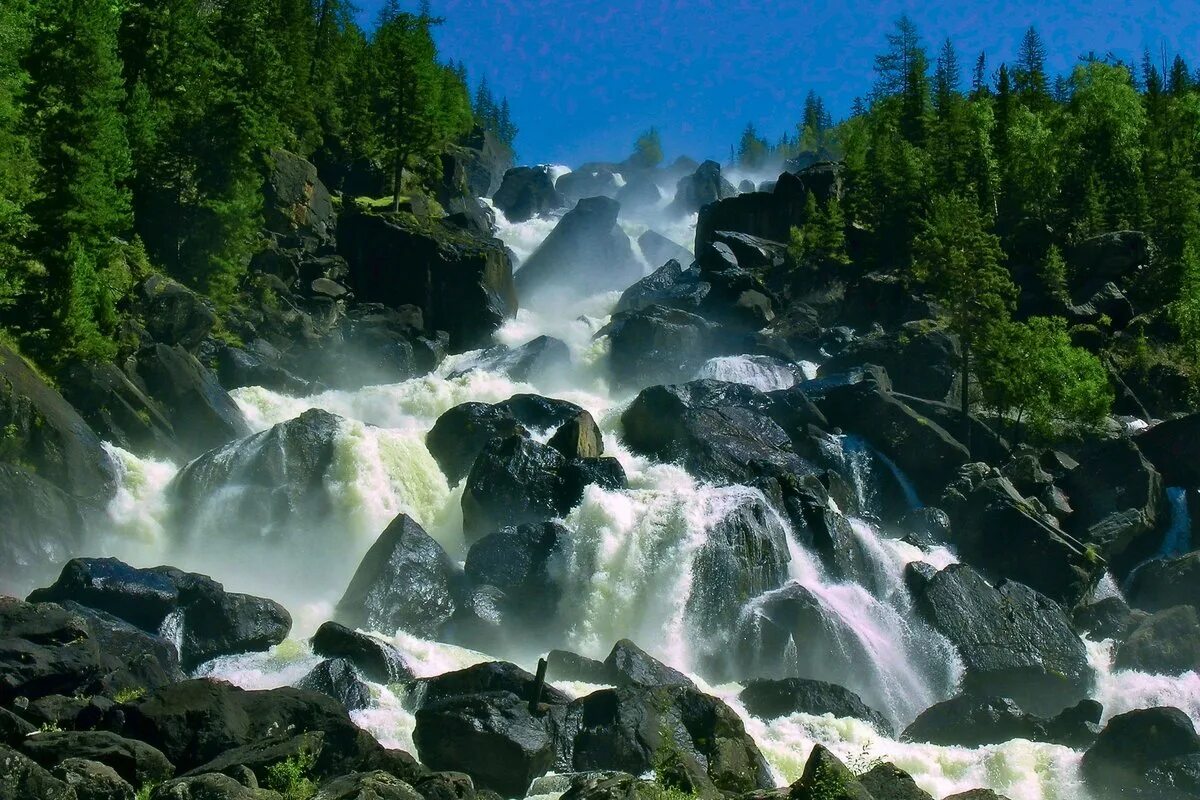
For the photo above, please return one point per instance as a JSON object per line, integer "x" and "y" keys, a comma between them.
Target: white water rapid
{"x": 628, "y": 569}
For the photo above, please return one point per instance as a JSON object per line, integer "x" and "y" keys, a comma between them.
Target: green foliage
{"x": 820, "y": 243}
{"x": 292, "y": 777}
{"x": 648, "y": 148}
{"x": 1185, "y": 311}
{"x": 129, "y": 695}
{"x": 494, "y": 117}
{"x": 1032, "y": 374}
{"x": 1054, "y": 275}
{"x": 752, "y": 150}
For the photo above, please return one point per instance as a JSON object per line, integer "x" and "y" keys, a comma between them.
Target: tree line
{"x": 135, "y": 136}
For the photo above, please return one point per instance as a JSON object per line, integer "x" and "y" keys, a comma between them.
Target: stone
{"x": 772, "y": 699}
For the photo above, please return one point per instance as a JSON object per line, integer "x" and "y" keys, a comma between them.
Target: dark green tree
{"x": 1029, "y": 77}
{"x": 752, "y": 149}
{"x": 17, "y": 167}
{"x": 647, "y": 149}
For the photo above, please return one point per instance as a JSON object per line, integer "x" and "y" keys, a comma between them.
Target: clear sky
{"x": 585, "y": 76}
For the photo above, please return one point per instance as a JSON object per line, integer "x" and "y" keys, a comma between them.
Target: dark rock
{"x": 579, "y": 438}
{"x": 376, "y": 659}
{"x": 172, "y": 313}
{"x": 1110, "y": 618}
{"x": 1163, "y": 584}
{"x": 563, "y": 665}
{"x": 921, "y": 360}
{"x": 461, "y": 433}
{"x": 527, "y": 192}
{"x": 1119, "y": 502}
{"x": 974, "y": 721}
{"x": 376, "y": 785}
{"x": 148, "y": 655}
{"x": 628, "y": 728}
{"x": 658, "y": 249}
{"x": 200, "y": 412}
{"x": 48, "y": 434}
{"x": 976, "y": 794}
{"x": 487, "y": 159}
{"x": 1116, "y": 257}
{"x": 297, "y": 202}
{"x": 1173, "y": 447}
{"x": 337, "y": 678}
{"x": 540, "y": 413}
{"x": 590, "y": 180}
{"x": 629, "y": 665}
{"x": 478, "y": 621}
{"x": 488, "y": 678}
{"x": 118, "y": 410}
{"x": 768, "y": 214}
{"x": 92, "y": 780}
{"x": 445, "y": 786}
{"x": 760, "y": 257}
{"x": 1165, "y": 643}
{"x": 239, "y": 368}
{"x": 405, "y": 582}
{"x": 254, "y": 761}
{"x": 771, "y": 699}
{"x": 1013, "y": 641}
{"x": 208, "y": 787}
{"x": 702, "y": 187}
{"x": 885, "y": 299}
{"x": 520, "y": 561}
{"x": 462, "y": 283}
{"x": 136, "y": 762}
{"x": 13, "y": 729}
{"x": 1133, "y": 744}
{"x": 602, "y": 786}
{"x": 142, "y": 597}
{"x": 669, "y": 286}
{"x": 40, "y": 529}
{"x": 1107, "y": 305}
{"x": 225, "y": 623}
{"x": 587, "y": 252}
{"x": 535, "y": 360}
{"x": 827, "y": 778}
{"x": 492, "y": 737}
{"x": 513, "y": 481}
{"x": 194, "y": 722}
{"x": 640, "y": 193}
{"x": 22, "y": 779}
{"x": 577, "y": 475}
{"x": 889, "y": 782}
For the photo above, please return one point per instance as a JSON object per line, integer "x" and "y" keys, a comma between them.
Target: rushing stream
{"x": 628, "y": 565}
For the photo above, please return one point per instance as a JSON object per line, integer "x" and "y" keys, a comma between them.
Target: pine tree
{"x": 647, "y": 149}
{"x": 17, "y": 168}
{"x": 752, "y": 149}
{"x": 507, "y": 128}
{"x": 1029, "y": 78}
{"x": 84, "y": 202}
{"x": 979, "y": 81}
{"x": 1180, "y": 80}
{"x": 947, "y": 76}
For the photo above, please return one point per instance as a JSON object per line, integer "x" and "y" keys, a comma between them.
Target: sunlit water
{"x": 627, "y": 569}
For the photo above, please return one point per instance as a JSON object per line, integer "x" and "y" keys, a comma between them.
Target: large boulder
{"x": 1014, "y": 641}
{"x": 490, "y": 677}
{"x": 670, "y": 286}
{"x": 521, "y": 561}
{"x": 377, "y": 785}
{"x": 514, "y": 480}
{"x": 1116, "y": 257}
{"x": 704, "y": 186}
{"x": 1173, "y": 447}
{"x": 338, "y": 678}
{"x": 297, "y": 203}
{"x": 1119, "y": 502}
{"x": 172, "y": 313}
{"x": 541, "y": 358}
{"x": 41, "y": 527}
{"x": 377, "y": 660}
{"x": 1165, "y": 583}
{"x": 1136, "y": 752}
{"x": 487, "y": 158}
{"x": 659, "y": 344}
{"x": 590, "y": 180}
{"x": 461, "y": 433}
{"x": 920, "y": 359}
{"x": 629, "y": 665}
{"x": 202, "y": 415}
{"x": 212, "y": 786}
{"x": 462, "y": 282}
{"x": 587, "y": 252}
{"x": 119, "y": 411}
{"x": 1165, "y": 643}
{"x": 39, "y": 428}
{"x": 973, "y": 721}
{"x": 405, "y": 582}
{"x": 772, "y": 699}
{"x": 634, "y": 729}
{"x": 888, "y": 782}
{"x": 658, "y": 249}
{"x": 527, "y": 192}
{"x": 92, "y": 780}
{"x": 136, "y": 762}
{"x": 22, "y": 779}
{"x": 827, "y": 778}
{"x": 769, "y": 214}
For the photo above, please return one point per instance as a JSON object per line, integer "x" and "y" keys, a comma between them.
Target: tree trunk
{"x": 966, "y": 393}
{"x": 397, "y": 175}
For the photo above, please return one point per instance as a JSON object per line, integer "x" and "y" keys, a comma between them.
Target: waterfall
{"x": 764, "y": 374}
{"x": 1178, "y": 539}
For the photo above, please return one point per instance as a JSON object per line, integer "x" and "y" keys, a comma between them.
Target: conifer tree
{"x": 1029, "y": 77}
{"x": 17, "y": 168}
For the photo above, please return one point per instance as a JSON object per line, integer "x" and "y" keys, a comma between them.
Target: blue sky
{"x": 585, "y": 76}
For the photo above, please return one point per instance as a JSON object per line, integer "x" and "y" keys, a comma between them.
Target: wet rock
{"x": 463, "y": 283}
{"x": 376, "y": 785}
{"x": 526, "y": 192}
{"x": 827, "y": 778}
{"x": 889, "y": 782}
{"x": 563, "y": 665}
{"x": 119, "y": 411}
{"x": 41, "y": 527}
{"x": 461, "y": 433}
{"x": 921, "y": 360}
{"x": 670, "y": 286}
{"x": 1110, "y": 618}
{"x": 540, "y": 413}
{"x": 1119, "y": 502}
{"x": 657, "y": 344}
{"x": 771, "y": 699}
{"x": 513, "y": 481}
{"x": 445, "y": 786}
{"x": 577, "y": 475}
{"x": 405, "y": 582}
{"x": 1165, "y": 643}
{"x": 337, "y": 678}
{"x": 296, "y": 201}
{"x": 252, "y": 763}
{"x": 172, "y": 313}
{"x": 23, "y": 779}
{"x": 579, "y": 438}
{"x": 218, "y": 623}
{"x": 521, "y": 561}
{"x": 1136, "y": 744}
{"x": 704, "y": 186}
{"x": 141, "y": 597}
{"x": 1013, "y": 641}
{"x": 629, "y": 665}
{"x": 489, "y": 678}
{"x": 48, "y": 433}
{"x": 136, "y": 762}
{"x": 238, "y": 368}
{"x": 1173, "y": 447}
{"x": 92, "y": 780}
{"x": 202, "y": 415}
{"x": 492, "y": 737}
{"x": 626, "y": 729}
{"x": 974, "y": 721}
{"x": 590, "y": 180}
{"x": 209, "y": 787}
{"x": 149, "y": 656}
{"x": 378, "y": 661}
{"x": 586, "y": 253}
{"x": 1163, "y": 584}
{"x": 535, "y": 360}
{"x": 602, "y": 786}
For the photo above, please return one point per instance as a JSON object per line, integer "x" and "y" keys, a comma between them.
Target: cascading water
{"x": 628, "y": 566}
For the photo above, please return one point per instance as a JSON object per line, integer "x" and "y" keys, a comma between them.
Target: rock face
{"x": 920, "y": 360}
{"x": 38, "y": 423}
{"x": 462, "y": 282}
{"x": 296, "y": 200}
{"x": 657, "y": 344}
{"x": 827, "y": 778}
{"x": 1165, "y": 643}
{"x": 527, "y": 192}
{"x": 172, "y": 313}
{"x": 1013, "y": 641}
{"x": 136, "y": 762}
{"x": 702, "y": 187}
{"x": 889, "y": 782}
{"x": 771, "y": 699}
{"x": 22, "y": 779}
{"x": 377, "y": 660}
{"x": 405, "y": 582}
{"x": 462, "y": 432}
{"x": 41, "y": 528}
{"x": 973, "y": 721}
{"x": 119, "y": 411}
{"x": 521, "y": 561}
{"x": 1173, "y": 447}
{"x": 337, "y": 678}
{"x": 1145, "y": 753}
{"x": 212, "y": 622}
{"x": 587, "y": 252}
{"x": 767, "y": 214}
{"x": 1162, "y": 584}
{"x": 515, "y": 480}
